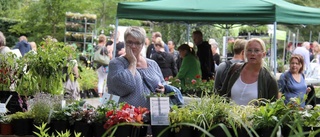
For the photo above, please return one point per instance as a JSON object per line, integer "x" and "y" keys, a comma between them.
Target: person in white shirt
{"x": 305, "y": 53}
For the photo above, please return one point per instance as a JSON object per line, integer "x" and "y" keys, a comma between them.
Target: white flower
{"x": 294, "y": 99}
{"x": 308, "y": 107}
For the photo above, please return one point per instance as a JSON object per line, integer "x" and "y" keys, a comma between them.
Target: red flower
{"x": 198, "y": 76}
{"x": 126, "y": 113}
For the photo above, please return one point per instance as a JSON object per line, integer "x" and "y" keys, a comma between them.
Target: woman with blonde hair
{"x": 251, "y": 80}
{"x": 164, "y": 59}
{"x": 3, "y": 48}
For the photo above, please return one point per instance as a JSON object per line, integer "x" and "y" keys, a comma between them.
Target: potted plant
{"x": 237, "y": 120}
{"x": 183, "y": 120}
{"x": 22, "y": 123}
{"x": 42, "y": 71}
{"x": 269, "y": 116}
{"x": 99, "y": 117}
{"x": 59, "y": 120}
{"x": 80, "y": 117}
{"x": 6, "y": 126}
{"x": 41, "y": 105}
{"x": 125, "y": 118}
{"x": 88, "y": 80}
{"x": 44, "y": 132}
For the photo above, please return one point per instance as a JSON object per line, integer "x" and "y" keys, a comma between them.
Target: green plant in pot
{"x": 42, "y": 104}
{"x": 22, "y": 123}
{"x": 270, "y": 115}
{"x": 183, "y": 120}
{"x": 238, "y": 120}
{"x": 42, "y": 72}
{"x": 88, "y": 79}
{"x": 99, "y": 116}
{"x": 211, "y": 113}
{"x": 8, "y": 71}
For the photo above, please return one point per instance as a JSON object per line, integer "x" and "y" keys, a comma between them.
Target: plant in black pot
{"x": 82, "y": 118}
{"x": 59, "y": 121}
{"x": 125, "y": 120}
{"x": 41, "y": 105}
{"x": 99, "y": 117}
{"x": 22, "y": 123}
{"x": 269, "y": 116}
{"x": 88, "y": 81}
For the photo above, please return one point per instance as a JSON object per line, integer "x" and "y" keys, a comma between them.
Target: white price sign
{"x": 160, "y": 108}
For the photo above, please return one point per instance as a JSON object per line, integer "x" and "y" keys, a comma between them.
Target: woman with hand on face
{"x": 292, "y": 83}
{"x": 251, "y": 80}
{"x": 133, "y": 76}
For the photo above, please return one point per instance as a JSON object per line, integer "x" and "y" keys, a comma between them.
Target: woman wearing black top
{"x": 164, "y": 60}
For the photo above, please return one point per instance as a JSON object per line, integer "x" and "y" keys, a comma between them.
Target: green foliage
{"x": 42, "y": 72}
{"x": 21, "y": 115}
{"x": 88, "y": 79}
{"x": 5, "y": 119}
{"x": 42, "y": 104}
{"x": 100, "y": 113}
{"x": 8, "y": 71}
{"x": 43, "y": 132}
{"x": 5, "y": 24}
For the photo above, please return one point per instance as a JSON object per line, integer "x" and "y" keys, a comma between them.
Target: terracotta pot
{"x": 6, "y": 129}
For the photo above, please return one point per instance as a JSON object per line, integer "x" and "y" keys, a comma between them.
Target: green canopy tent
{"x": 217, "y": 11}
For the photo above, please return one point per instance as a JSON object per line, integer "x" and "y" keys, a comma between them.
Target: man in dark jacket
{"x": 204, "y": 54}
{"x": 23, "y": 45}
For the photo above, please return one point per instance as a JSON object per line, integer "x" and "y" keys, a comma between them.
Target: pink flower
{"x": 193, "y": 81}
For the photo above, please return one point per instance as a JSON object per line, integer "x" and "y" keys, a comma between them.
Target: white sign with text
{"x": 159, "y": 108}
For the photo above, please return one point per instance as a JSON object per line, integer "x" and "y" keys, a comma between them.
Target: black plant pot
{"x": 219, "y": 132}
{"x": 98, "y": 129}
{"x": 184, "y": 131}
{"x": 285, "y": 131}
{"x": 124, "y": 131}
{"x": 59, "y": 126}
{"x": 22, "y": 127}
{"x": 83, "y": 127}
{"x": 242, "y": 132}
{"x": 265, "y": 132}
{"x": 156, "y": 130}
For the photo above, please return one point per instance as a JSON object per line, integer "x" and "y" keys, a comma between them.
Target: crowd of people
{"x": 141, "y": 67}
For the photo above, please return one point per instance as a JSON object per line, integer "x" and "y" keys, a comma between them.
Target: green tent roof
{"x": 220, "y": 11}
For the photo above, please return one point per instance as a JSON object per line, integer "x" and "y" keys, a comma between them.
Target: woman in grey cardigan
{"x": 251, "y": 80}
{"x": 133, "y": 76}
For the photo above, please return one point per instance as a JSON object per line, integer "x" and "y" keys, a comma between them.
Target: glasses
{"x": 131, "y": 43}
{"x": 254, "y": 51}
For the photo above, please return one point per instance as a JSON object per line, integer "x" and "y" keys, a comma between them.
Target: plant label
{"x": 106, "y": 97}
{"x": 159, "y": 108}
{"x": 3, "y": 108}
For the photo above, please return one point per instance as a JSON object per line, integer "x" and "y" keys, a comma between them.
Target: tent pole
{"x": 188, "y": 33}
{"x": 115, "y": 38}
{"x": 275, "y": 48}
{"x": 297, "y": 38}
{"x": 310, "y": 37}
